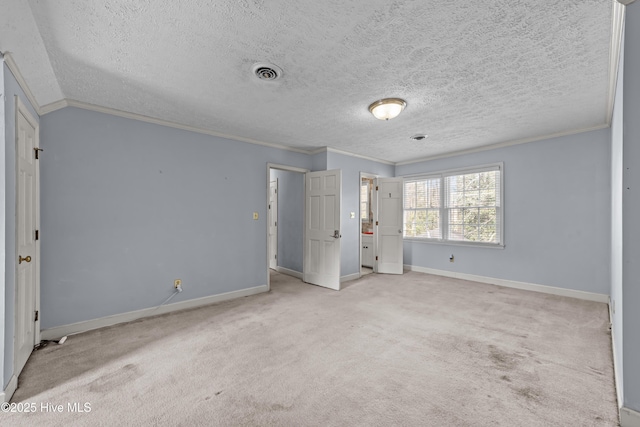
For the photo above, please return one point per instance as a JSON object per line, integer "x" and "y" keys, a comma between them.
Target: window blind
{"x": 472, "y": 206}
{"x": 422, "y": 208}
{"x": 460, "y": 206}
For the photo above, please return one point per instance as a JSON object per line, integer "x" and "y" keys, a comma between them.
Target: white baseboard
{"x": 6, "y": 395}
{"x": 590, "y": 296}
{"x": 629, "y": 417}
{"x": 298, "y": 274}
{"x": 75, "y": 328}
{"x": 289, "y": 272}
{"x": 349, "y": 277}
{"x": 616, "y": 377}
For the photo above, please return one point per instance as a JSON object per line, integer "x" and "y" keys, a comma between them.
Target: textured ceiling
{"x": 473, "y": 73}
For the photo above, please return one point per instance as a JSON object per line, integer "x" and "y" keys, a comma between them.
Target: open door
{"x": 323, "y": 193}
{"x": 27, "y": 323}
{"x": 387, "y": 242}
{"x": 273, "y": 224}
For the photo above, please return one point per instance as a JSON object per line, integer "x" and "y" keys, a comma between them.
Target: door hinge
{"x": 37, "y": 152}
{"x": 376, "y": 188}
{"x": 269, "y": 206}
{"x": 36, "y": 319}
{"x": 276, "y": 224}
{"x": 376, "y": 257}
{"x": 37, "y": 234}
{"x": 376, "y": 222}
{"x": 275, "y": 256}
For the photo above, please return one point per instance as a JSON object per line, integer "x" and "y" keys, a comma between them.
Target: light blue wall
{"x": 319, "y": 161}
{"x": 11, "y": 90}
{"x": 631, "y": 210}
{"x": 556, "y": 210}
{"x": 290, "y": 218}
{"x": 350, "y": 227}
{"x": 128, "y": 206}
{"x": 616, "y": 224}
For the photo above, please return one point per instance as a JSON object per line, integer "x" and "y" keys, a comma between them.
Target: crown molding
{"x": 54, "y": 106}
{"x": 57, "y": 105}
{"x": 13, "y": 67}
{"x": 114, "y": 112}
{"x": 139, "y": 117}
{"x": 346, "y": 153}
{"x": 503, "y": 145}
{"x": 49, "y": 108}
{"x": 319, "y": 150}
{"x": 616, "y": 38}
{"x": 359, "y": 156}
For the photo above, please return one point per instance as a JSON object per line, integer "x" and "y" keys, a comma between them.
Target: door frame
{"x": 363, "y": 175}
{"x": 20, "y": 108}
{"x": 269, "y": 219}
{"x": 268, "y": 186}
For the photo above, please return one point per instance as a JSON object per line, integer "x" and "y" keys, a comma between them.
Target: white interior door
{"x": 323, "y": 192}
{"x": 387, "y": 240}
{"x": 273, "y": 224}
{"x": 27, "y": 326}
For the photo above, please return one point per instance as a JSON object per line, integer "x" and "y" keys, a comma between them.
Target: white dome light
{"x": 387, "y": 108}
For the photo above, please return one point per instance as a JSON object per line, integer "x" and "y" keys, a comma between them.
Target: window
{"x": 457, "y": 206}
{"x": 422, "y": 208}
{"x": 364, "y": 201}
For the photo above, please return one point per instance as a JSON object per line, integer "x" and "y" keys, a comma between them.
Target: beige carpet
{"x": 415, "y": 350}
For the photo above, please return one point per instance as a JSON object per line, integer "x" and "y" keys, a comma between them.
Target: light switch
{"x": 353, "y": 215}
{"x": 255, "y": 215}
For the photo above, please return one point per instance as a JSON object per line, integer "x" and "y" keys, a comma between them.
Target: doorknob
{"x": 400, "y": 231}
{"x": 26, "y": 259}
{"x": 336, "y": 234}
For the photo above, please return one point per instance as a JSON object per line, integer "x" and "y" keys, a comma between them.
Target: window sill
{"x": 454, "y": 243}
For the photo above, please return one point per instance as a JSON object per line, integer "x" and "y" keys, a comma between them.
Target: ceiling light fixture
{"x": 387, "y": 108}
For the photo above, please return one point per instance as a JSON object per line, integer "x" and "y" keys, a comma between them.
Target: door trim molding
{"x": 268, "y": 185}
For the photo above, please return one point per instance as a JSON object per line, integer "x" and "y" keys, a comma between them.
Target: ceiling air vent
{"x": 419, "y": 137}
{"x": 268, "y": 72}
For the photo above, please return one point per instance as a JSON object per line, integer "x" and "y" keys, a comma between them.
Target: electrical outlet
{"x": 177, "y": 283}
{"x": 451, "y": 258}
{"x": 255, "y": 215}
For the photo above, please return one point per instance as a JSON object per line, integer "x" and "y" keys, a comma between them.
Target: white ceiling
{"x": 473, "y": 73}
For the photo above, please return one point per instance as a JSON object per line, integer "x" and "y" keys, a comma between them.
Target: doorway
{"x": 366, "y": 223}
{"x": 381, "y": 225}
{"x": 308, "y": 224}
{"x": 285, "y": 220}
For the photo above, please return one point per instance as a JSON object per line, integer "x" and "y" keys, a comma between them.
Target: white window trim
{"x": 460, "y": 171}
